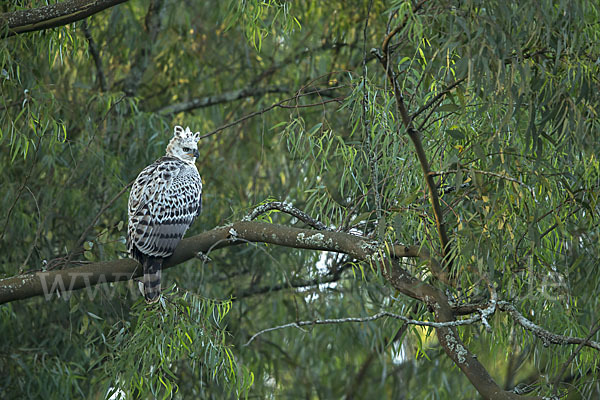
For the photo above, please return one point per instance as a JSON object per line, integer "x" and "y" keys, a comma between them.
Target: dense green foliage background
{"x": 514, "y": 147}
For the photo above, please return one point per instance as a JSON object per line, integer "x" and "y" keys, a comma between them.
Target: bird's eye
{"x": 187, "y": 149}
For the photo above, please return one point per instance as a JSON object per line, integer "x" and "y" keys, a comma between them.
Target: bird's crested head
{"x": 184, "y": 145}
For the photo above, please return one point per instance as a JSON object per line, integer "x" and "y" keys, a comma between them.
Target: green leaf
{"x": 456, "y": 134}
{"x": 448, "y": 107}
{"x": 315, "y": 128}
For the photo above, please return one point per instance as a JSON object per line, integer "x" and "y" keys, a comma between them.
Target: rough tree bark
{"x": 51, "y": 16}
{"x": 75, "y": 278}
{"x": 83, "y": 276}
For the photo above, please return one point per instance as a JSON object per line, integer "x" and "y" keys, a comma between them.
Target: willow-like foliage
{"x": 504, "y": 96}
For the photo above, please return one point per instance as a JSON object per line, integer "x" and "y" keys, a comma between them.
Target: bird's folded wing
{"x": 161, "y": 208}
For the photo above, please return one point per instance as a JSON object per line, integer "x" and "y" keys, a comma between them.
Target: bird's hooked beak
{"x": 195, "y": 153}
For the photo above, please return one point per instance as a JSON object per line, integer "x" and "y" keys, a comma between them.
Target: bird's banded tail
{"x": 152, "y": 270}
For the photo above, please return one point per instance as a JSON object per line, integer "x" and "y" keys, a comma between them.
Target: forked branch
{"x": 384, "y": 58}
{"x": 288, "y": 209}
{"x": 359, "y": 248}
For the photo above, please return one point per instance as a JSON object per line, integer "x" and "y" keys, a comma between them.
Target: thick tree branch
{"x": 85, "y": 276}
{"x": 80, "y": 277}
{"x": 447, "y": 336}
{"x": 50, "y": 16}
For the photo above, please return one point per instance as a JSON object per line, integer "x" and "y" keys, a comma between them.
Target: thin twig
{"x": 37, "y": 233}
{"x": 422, "y": 127}
{"x": 379, "y": 315}
{"x": 359, "y": 377}
{"x": 280, "y": 104}
{"x": 207, "y": 101}
{"x": 371, "y": 145}
{"x": 302, "y": 54}
{"x": 388, "y": 38}
{"x": 21, "y": 188}
{"x": 546, "y": 336}
{"x": 96, "y": 56}
{"x": 478, "y": 171}
{"x": 559, "y": 376}
{"x": 437, "y": 97}
{"x": 334, "y": 276}
{"x": 288, "y": 209}
{"x": 153, "y": 25}
{"x": 415, "y": 137}
{"x": 320, "y": 103}
{"x": 88, "y": 146}
{"x": 94, "y": 220}
{"x": 414, "y": 134}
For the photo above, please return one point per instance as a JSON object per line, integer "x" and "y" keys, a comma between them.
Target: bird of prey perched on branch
{"x": 165, "y": 199}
